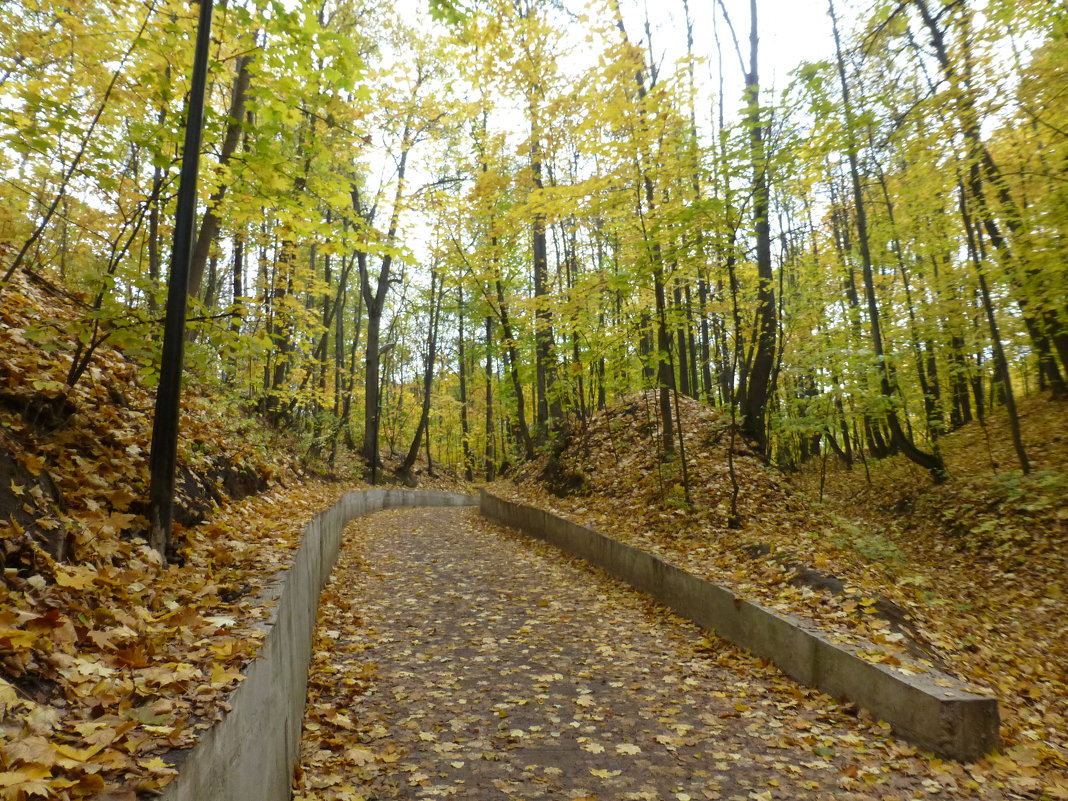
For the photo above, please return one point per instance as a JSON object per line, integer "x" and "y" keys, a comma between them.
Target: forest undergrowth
{"x": 966, "y": 577}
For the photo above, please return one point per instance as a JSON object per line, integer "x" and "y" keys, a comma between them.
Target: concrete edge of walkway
{"x": 930, "y": 710}
{"x": 250, "y": 753}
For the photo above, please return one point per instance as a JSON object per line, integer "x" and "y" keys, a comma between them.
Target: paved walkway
{"x": 456, "y": 658}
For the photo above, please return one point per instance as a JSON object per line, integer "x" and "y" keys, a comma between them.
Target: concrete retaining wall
{"x": 929, "y": 710}
{"x": 249, "y": 755}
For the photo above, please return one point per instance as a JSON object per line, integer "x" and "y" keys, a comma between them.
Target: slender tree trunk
{"x": 322, "y": 356}
{"x": 758, "y": 388}
{"x": 154, "y": 271}
{"x": 429, "y": 457}
{"x": 645, "y": 345}
{"x": 682, "y": 342}
{"x": 548, "y": 409}
{"x": 280, "y": 330}
{"x": 570, "y": 271}
{"x": 465, "y": 426}
{"x": 958, "y": 380}
{"x": 691, "y": 341}
{"x": 209, "y": 226}
{"x": 375, "y": 301}
{"x": 708, "y": 387}
{"x": 665, "y": 373}
{"x": 490, "y": 456}
{"x": 512, "y": 355}
{"x": 428, "y": 375}
{"x": 344, "y": 422}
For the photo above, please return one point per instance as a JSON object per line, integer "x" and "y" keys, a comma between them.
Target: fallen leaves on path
{"x": 988, "y": 604}
{"x": 455, "y": 658}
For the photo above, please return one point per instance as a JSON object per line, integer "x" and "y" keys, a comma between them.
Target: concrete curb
{"x": 249, "y": 755}
{"x": 929, "y": 710}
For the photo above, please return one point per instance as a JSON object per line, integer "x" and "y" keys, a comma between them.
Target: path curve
{"x": 457, "y": 658}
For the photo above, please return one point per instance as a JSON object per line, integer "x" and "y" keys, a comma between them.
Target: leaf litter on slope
{"x": 107, "y": 660}
{"x": 993, "y": 616}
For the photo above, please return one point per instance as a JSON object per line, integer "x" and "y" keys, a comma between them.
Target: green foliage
{"x": 450, "y": 11}
{"x": 1037, "y": 492}
{"x": 870, "y": 544}
{"x": 637, "y": 190}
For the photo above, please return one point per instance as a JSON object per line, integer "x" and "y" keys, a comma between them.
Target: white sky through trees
{"x": 791, "y": 31}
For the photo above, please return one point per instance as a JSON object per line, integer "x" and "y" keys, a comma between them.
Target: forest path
{"x": 456, "y": 658}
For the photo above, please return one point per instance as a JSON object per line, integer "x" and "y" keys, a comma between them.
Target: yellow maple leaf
{"x": 30, "y": 751}
{"x": 359, "y": 756}
{"x": 601, "y": 773}
{"x": 18, "y": 638}
{"x": 158, "y": 766}
{"x": 77, "y": 578}
{"x": 78, "y": 754}
{"x": 27, "y": 774}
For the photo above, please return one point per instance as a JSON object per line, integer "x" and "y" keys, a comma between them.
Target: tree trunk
{"x": 709, "y": 389}
{"x": 545, "y": 367}
{"x": 665, "y": 373}
{"x": 428, "y": 376}
{"x": 512, "y": 354}
{"x": 758, "y": 388}
{"x": 682, "y": 342}
{"x": 465, "y": 426}
{"x": 490, "y": 457}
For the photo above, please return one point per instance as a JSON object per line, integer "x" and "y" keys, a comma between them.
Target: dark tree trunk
{"x": 709, "y": 389}
{"x": 682, "y": 339}
{"x": 512, "y": 356}
{"x": 428, "y": 377}
{"x": 758, "y": 386}
{"x": 548, "y": 410}
{"x": 465, "y": 426}
{"x": 491, "y": 456}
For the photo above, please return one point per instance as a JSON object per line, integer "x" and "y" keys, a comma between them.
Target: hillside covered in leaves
{"x": 966, "y": 577}
{"x": 109, "y": 662}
